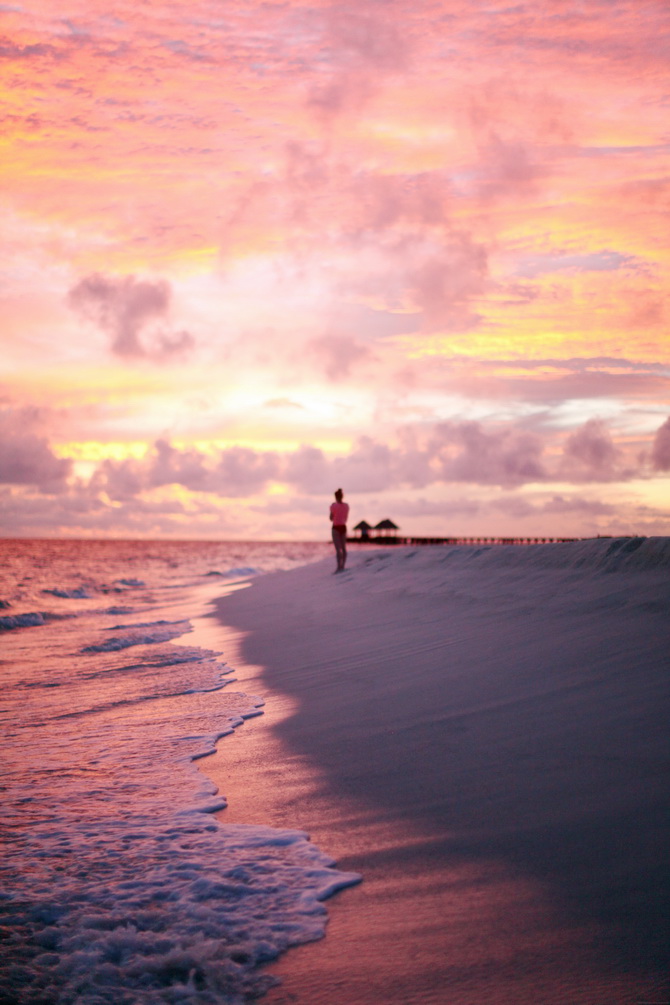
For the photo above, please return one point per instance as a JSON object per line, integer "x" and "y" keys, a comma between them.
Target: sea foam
{"x": 121, "y": 884}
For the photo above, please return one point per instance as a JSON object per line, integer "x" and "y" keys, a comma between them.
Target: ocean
{"x": 119, "y": 884}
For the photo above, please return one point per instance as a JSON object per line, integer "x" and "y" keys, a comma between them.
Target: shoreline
{"x": 422, "y": 726}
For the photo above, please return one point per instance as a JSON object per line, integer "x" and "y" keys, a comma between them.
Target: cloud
{"x": 170, "y": 466}
{"x": 385, "y": 200}
{"x": 308, "y": 469}
{"x": 128, "y": 310}
{"x": 337, "y": 354}
{"x": 551, "y": 381}
{"x": 591, "y": 453}
{"x": 523, "y": 508}
{"x": 11, "y": 51}
{"x": 371, "y": 240}
{"x": 468, "y": 452}
{"x": 660, "y": 455}
{"x": 345, "y": 92}
{"x": 453, "y": 452}
{"x": 507, "y": 168}
{"x": 319, "y": 196}
{"x": 241, "y": 471}
{"x": 356, "y": 36}
{"x": 444, "y": 283}
{"x": 577, "y": 504}
{"x": 283, "y": 403}
{"x": 494, "y": 459}
{"x": 435, "y": 275}
{"x": 647, "y": 309}
{"x": 79, "y": 510}
{"x": 25, "y": 455}
{"x": 371, "y": 324}
{"x": 357, "y": 50}
{"x": 371, "y": 467}
{"x": 231, "y": 473}
{"x": 531, "y": 266}
{"x": 120, "y": 480}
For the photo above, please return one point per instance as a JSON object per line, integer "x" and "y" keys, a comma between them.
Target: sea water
{"x": 119, "y": 885}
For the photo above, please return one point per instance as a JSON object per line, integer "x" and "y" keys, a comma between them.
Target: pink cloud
{"x": 357, "y": 48}
{"x": 576, "y": 504}
{"x": 120, "y": 479}
{"x": 443, "y": 284}
{"x": 320, "y": 196}
{"x": 550, "y": 381}
{"x": 438, "y": 276}
{"x": 241, "y": 471}
{"x": 308, "y": 470}
{"x": 504, "y": 457}
{"x": 125, "y": 308}
{"x": 468, "y": 451}
{"x": 237, "y": 471}
{"x": 592, "y": 450}
{"x": 337, "y": 354}
{"x": 660, "y": 455}
{"x": 507, "y": 169}
{"x": 26, "y": 458}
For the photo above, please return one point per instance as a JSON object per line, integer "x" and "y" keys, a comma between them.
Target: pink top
{"x": 339, "y": 511}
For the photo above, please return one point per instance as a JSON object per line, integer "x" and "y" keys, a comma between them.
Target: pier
{"x": 388, "y": 532}
{"x": 386, "y": 539}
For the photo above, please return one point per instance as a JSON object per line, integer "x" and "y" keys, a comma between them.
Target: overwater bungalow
{"x": 363, "y": 530}
{"x": 386, "y": 528}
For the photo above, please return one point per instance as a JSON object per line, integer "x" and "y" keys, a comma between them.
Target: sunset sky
{"x": 252, "y": 252}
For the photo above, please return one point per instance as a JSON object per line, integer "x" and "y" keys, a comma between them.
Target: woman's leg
{"x": 339, "y": 541}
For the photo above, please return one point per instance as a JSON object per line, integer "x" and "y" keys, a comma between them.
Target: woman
{"x": 339, "y": 511}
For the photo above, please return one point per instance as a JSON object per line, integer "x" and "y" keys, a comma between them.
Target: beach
{"x": 481, "y": 733}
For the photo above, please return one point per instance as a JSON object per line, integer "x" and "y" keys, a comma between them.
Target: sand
{"x": 482, "y": 734}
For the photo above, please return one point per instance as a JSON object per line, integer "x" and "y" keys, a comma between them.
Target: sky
{"x": 256, "y": 251}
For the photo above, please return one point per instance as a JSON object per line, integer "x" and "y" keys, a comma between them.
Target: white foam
{"x": 182, "y": 623}
{"x": 168, "y": 909}
{"x": 121, "y": 884}
{"x": 161, "y": 631}
{"x": 244, "y": 571}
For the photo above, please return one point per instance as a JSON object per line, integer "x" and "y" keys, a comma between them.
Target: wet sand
{"x": 487, "y": 745}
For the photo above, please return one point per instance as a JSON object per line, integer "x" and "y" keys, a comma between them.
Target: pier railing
{"x": 400, "y": 539}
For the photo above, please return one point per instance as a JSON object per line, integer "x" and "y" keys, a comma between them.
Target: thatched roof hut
{"x": 386, "y": 527}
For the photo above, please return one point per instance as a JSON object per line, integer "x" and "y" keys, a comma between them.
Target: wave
{"x": 30, "y": 620}
{"x": 140, "y": 699}
{"x": 167, "y": 656}
{"x": 150, "y": 624}
{"x": 238, "y": 573}
{"x": 78, "y": 593}
{"x": 119, "y": 882}
{"x": 170, "y": 630}
{"x": 170, "y": 928}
